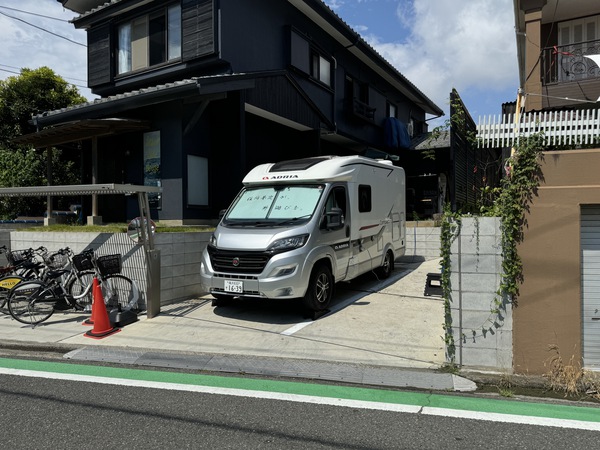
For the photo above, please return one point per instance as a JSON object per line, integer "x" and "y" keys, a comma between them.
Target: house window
{"x": 357, "y": 98}
{"x": 392, "y": 111}
{"x": 149, "y": 40}
{"x": 320, "y": 68}
{"x": 575, "y": 39}
{"x": 306, "y": 56}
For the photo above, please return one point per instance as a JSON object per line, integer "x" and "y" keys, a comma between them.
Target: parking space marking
{"x": 296, "y": 328}
{"x": 338, "y": 307}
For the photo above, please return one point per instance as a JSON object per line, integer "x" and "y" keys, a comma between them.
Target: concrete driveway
{"x": 384, "y": 323}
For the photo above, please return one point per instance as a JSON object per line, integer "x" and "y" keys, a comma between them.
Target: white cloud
{"x": 468, "y": 45}
{"x": 33, "y": 45}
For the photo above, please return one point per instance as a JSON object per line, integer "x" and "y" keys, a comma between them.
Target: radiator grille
{"x": 237, "y": 261}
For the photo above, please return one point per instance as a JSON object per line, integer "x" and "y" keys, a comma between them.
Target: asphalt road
{"x": 46, "y": 413}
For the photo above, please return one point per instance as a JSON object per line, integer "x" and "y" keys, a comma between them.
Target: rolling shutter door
{"x": 590, "y": 285}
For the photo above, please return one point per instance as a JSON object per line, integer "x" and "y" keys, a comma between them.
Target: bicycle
{"x": 23, "y": 265}
{"x": 117, "y": 289}
{"x": 33, "y": 301}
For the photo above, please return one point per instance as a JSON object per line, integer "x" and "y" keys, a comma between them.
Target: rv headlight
{"x": 213, "y": 240}
{"x": 289, "y": 243}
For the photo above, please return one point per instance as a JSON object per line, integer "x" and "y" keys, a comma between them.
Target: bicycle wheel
{"x": 31, "y": 302}
{"x": 80, "y": 288}
{"x": 118, "y": 290}
{"x": 6, "y": 284}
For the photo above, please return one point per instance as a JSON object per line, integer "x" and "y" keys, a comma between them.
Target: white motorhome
{"x": 298, "y": 227}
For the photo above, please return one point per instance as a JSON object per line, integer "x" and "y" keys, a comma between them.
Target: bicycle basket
{"x": 109, "y": 264}
{"x": 56, "y": 260}
{"x": 82, "y": 262}
{"x": 18, "y": 257}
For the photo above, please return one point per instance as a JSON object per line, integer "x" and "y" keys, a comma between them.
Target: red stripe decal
{"x": 368, "y": 226}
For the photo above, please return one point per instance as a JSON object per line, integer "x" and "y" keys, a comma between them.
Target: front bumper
{"x": 283, "y": 277}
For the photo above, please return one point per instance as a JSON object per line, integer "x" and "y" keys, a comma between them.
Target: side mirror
{"x": 334, "y": 219}
{"x": 222, "y": 213}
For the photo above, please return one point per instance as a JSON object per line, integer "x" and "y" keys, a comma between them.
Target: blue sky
{"x": 443, "y": 44}
{"x": 437, "y": 44}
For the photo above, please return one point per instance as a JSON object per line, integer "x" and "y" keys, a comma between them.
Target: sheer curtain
{"x": 124, "y": 48}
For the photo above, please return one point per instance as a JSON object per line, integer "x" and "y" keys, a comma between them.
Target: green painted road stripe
{"x": 420, "y": 399}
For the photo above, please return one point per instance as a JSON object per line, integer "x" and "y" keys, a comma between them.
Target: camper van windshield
{"x": 274, "y": 204}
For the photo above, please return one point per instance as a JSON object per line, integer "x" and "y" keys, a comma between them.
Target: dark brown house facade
{"x": 200, "y": 91}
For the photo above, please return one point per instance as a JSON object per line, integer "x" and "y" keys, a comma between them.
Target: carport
{"x": 76, "y": 131}
{"x": 92, "y": 129}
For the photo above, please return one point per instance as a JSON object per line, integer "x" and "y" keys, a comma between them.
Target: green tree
{"x": 32, "y": 92}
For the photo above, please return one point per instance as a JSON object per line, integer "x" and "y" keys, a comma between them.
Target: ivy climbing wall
{"x": 481, "y": 320}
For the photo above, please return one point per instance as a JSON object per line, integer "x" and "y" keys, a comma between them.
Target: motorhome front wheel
{"x": 320, "y": 289}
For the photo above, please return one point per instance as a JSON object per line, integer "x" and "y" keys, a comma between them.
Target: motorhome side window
{"x": 364, "y": 198}
{"x": 335, "y": 204}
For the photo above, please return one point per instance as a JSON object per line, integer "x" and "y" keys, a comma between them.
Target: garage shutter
{"x": 590, "y": 285}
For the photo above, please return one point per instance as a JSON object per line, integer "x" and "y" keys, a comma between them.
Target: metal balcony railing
{"x": 566, "y": 63}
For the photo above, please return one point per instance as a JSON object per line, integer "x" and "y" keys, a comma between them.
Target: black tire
{"x": 385, "y": 270}
{"x": 6, "y": 284}
{"x": 320, "y": 289}
{"x": 31, "y": 302}
{"x": 80, "y": 289}
{"x": 119, "y": 291}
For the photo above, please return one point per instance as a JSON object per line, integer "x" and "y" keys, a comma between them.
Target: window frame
{"x": 139, "y": 36}
{"x": 365, "y": 198}
{"x": 317, "y": 60}
{"x": 392, "y": 110}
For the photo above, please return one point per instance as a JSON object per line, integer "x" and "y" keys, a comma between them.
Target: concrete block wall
{"x": 180, "y": 264}
{"x": 422, "y": 241}
{"x": 483, "y": 337}
{"x": 180, "y": 257}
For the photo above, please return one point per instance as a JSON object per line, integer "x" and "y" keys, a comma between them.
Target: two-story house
{"x": 194, "y": 93}
{"x": 559, "y": 302}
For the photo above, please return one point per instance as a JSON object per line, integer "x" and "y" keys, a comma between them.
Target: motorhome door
{"x": 335, "y": 229}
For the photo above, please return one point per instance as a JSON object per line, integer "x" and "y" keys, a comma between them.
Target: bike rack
{"x": 152, "y": 254}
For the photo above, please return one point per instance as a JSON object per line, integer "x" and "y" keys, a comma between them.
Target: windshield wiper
{"x": 245, "y": 223}
{"x": 292, "y": 220}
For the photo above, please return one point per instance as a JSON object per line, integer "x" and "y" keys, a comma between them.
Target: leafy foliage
{"x": 450, "y": 230}
{"x": 32, "y": 92}
{"x": 510, "y": 202}
{"x": 517, "y": 191}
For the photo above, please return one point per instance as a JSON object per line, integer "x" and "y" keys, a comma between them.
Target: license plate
{"x": 236, "y": 287}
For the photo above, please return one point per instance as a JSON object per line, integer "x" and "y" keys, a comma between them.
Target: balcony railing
{"x": 566, "y": 63}
{"x": 361, "y": 109}
{"x": 561, "y": 129}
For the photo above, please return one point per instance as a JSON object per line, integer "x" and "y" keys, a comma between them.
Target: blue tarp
{"x": 396, "y": 133}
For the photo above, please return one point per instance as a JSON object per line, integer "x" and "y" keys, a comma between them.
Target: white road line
{"x": 362, "y": 404}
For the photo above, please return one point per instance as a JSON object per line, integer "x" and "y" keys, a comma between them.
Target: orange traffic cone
{"x": 90, "y": 321}
{"x": 102, "y": 326}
